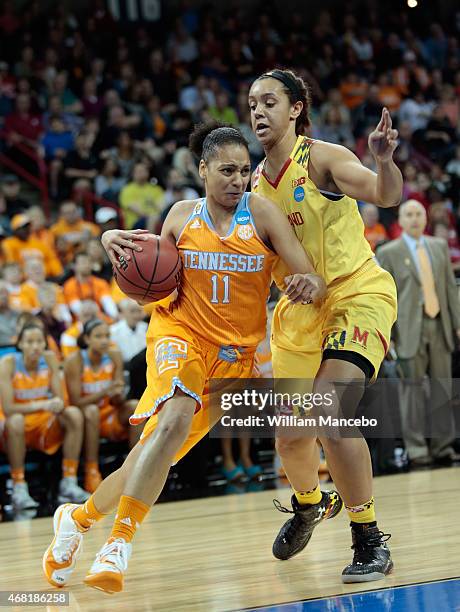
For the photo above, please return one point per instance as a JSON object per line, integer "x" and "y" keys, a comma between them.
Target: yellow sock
{"x": 17, "y": 475}
{"x": 130, "y": 514}
{"x": 309, "y": 497}
{"x": 87, "y": 514}
{"x": 365, "y": 513}
{"x": 69, "y": 467}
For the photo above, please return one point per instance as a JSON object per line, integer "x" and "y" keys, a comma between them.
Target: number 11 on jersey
{"x": 215, "y": 289}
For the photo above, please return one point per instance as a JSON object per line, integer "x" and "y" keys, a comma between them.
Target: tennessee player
{"x": 35, "y": 417}
{"x": 228, "y": 243}
{"x": 94, "y": 379}
{"x": 316, "y": 185}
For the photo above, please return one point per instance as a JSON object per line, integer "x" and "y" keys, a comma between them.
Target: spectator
{"x": 140, "y": 200}
{"x": 374, "y": 231}
{"x": 109, "y": 183}
{"x": 92, "y": 103}
{"x": 416, "y": 111}
{"x": 106, "y": 218}
{"x": 68, "y": 341}
{"x": 23, "y": 246}
{"x": 72, "y": 228}
{"x": 38, "y": 420}
{"x": 34, "y": 272}
{"x": 11, "y": 188}
{"x": 101, "y": 266}
{"x": 39, "y": 227}
{"x": 80, "y": 164}
{"x": 23, "y": 126}
{"x": 442, "y": 230}
{"x": 85, "y": 286}
{"x": 354, "y": 90}
{"x": 94, "y": 378}
{"x": 222, "y": 111}
{"x": 124, "y": 154}
{"x": 428, "y": 314}
{"x": 57, "y": 140}
{"x": 55, "y": 109}
{"x": 12, "y": 275}
{"x": 129, "y": 332}
{"x": 8, "y": 317}
{"x": 48, "y": 311}
{"x": 440, "y": 137}
{"x": 197, "y": 97}
{"x": 70, "y": 103}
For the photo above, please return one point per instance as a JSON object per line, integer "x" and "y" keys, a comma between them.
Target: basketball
{"x": 151, "y": 274}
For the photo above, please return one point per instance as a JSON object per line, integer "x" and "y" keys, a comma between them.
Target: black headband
{"x": 90, "y": 325}
{"x": 287, "y": 81}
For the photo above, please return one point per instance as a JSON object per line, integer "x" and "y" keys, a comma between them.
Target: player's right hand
{"x": 118, "y": 243}
{"x": 305, "y": 288}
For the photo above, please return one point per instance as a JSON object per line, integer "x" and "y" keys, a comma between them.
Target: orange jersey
{"x": 93, "y": 288}
{"x": 29, "y": 387}
{"x": 28, "y": 296}
{"x": 18, "y": 251}
{"x": 225, "y": 280}
{"x": 69, "y": 339}
{"x": 94, "y": 381}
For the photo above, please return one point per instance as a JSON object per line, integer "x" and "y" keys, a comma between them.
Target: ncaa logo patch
{"x": 242, "y": 217}
{"x": 245, "y": 232}
{"x": 299, "y": 193}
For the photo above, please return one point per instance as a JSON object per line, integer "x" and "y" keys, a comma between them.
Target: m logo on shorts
{"x": 168, "y": 351}
{"x": 360, "y": 337}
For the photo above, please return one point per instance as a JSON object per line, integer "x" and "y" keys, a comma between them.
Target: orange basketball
{"x": 151, "y": 274}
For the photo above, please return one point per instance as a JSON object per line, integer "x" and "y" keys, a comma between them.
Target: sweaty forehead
{"x": 232, "y": 154}
{"x": 264, "y": 87}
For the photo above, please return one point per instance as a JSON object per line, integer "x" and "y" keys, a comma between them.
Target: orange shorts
{"x": 42, "y": 432}
{"x": 178, "y": 359}
{"x": 110, "y": 426}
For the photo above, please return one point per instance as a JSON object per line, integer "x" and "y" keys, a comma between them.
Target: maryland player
{"x": 95, "y": 383}
{"x": 35, "y": 416}
{"x": 227, "y": 242}
{"x": 316, "y": 185}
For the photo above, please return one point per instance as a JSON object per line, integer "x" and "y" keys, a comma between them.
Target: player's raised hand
{"x": 118, "y": 243}
{"x": 384, "y": 139}
{"x": 305, "y": 288}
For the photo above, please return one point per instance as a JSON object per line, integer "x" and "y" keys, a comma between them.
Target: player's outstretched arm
{"x": 304, "y": 285}
{"x": 383, "y": 188}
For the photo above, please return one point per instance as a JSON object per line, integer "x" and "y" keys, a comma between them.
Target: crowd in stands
{"x": 109, "y": 108}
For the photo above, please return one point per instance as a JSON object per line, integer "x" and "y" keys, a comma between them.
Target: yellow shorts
{"x": 42, "y": 431}
{"x": 109, "y": 424}
{"x": 178, "y": 359}
{"x": 357, "y": 316}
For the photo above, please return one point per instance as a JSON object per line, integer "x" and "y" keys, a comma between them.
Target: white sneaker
{"x": 106, "y": 573}
{"x": 61, "y": 555}
{"x": 69, "y": 491}
{"x": 20, "y": 498}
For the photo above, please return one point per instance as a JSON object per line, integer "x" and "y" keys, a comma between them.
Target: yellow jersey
{"x": 329, "y": 226}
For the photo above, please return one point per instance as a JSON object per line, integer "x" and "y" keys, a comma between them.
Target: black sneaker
{"x": 372, "y": 558}
{"x": 297, "y": 531}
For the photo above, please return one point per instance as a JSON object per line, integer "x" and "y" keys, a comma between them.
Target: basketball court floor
{"x": 214, "y": 555}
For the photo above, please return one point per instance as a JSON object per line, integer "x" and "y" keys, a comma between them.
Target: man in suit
{"x": 428, "y": 317}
